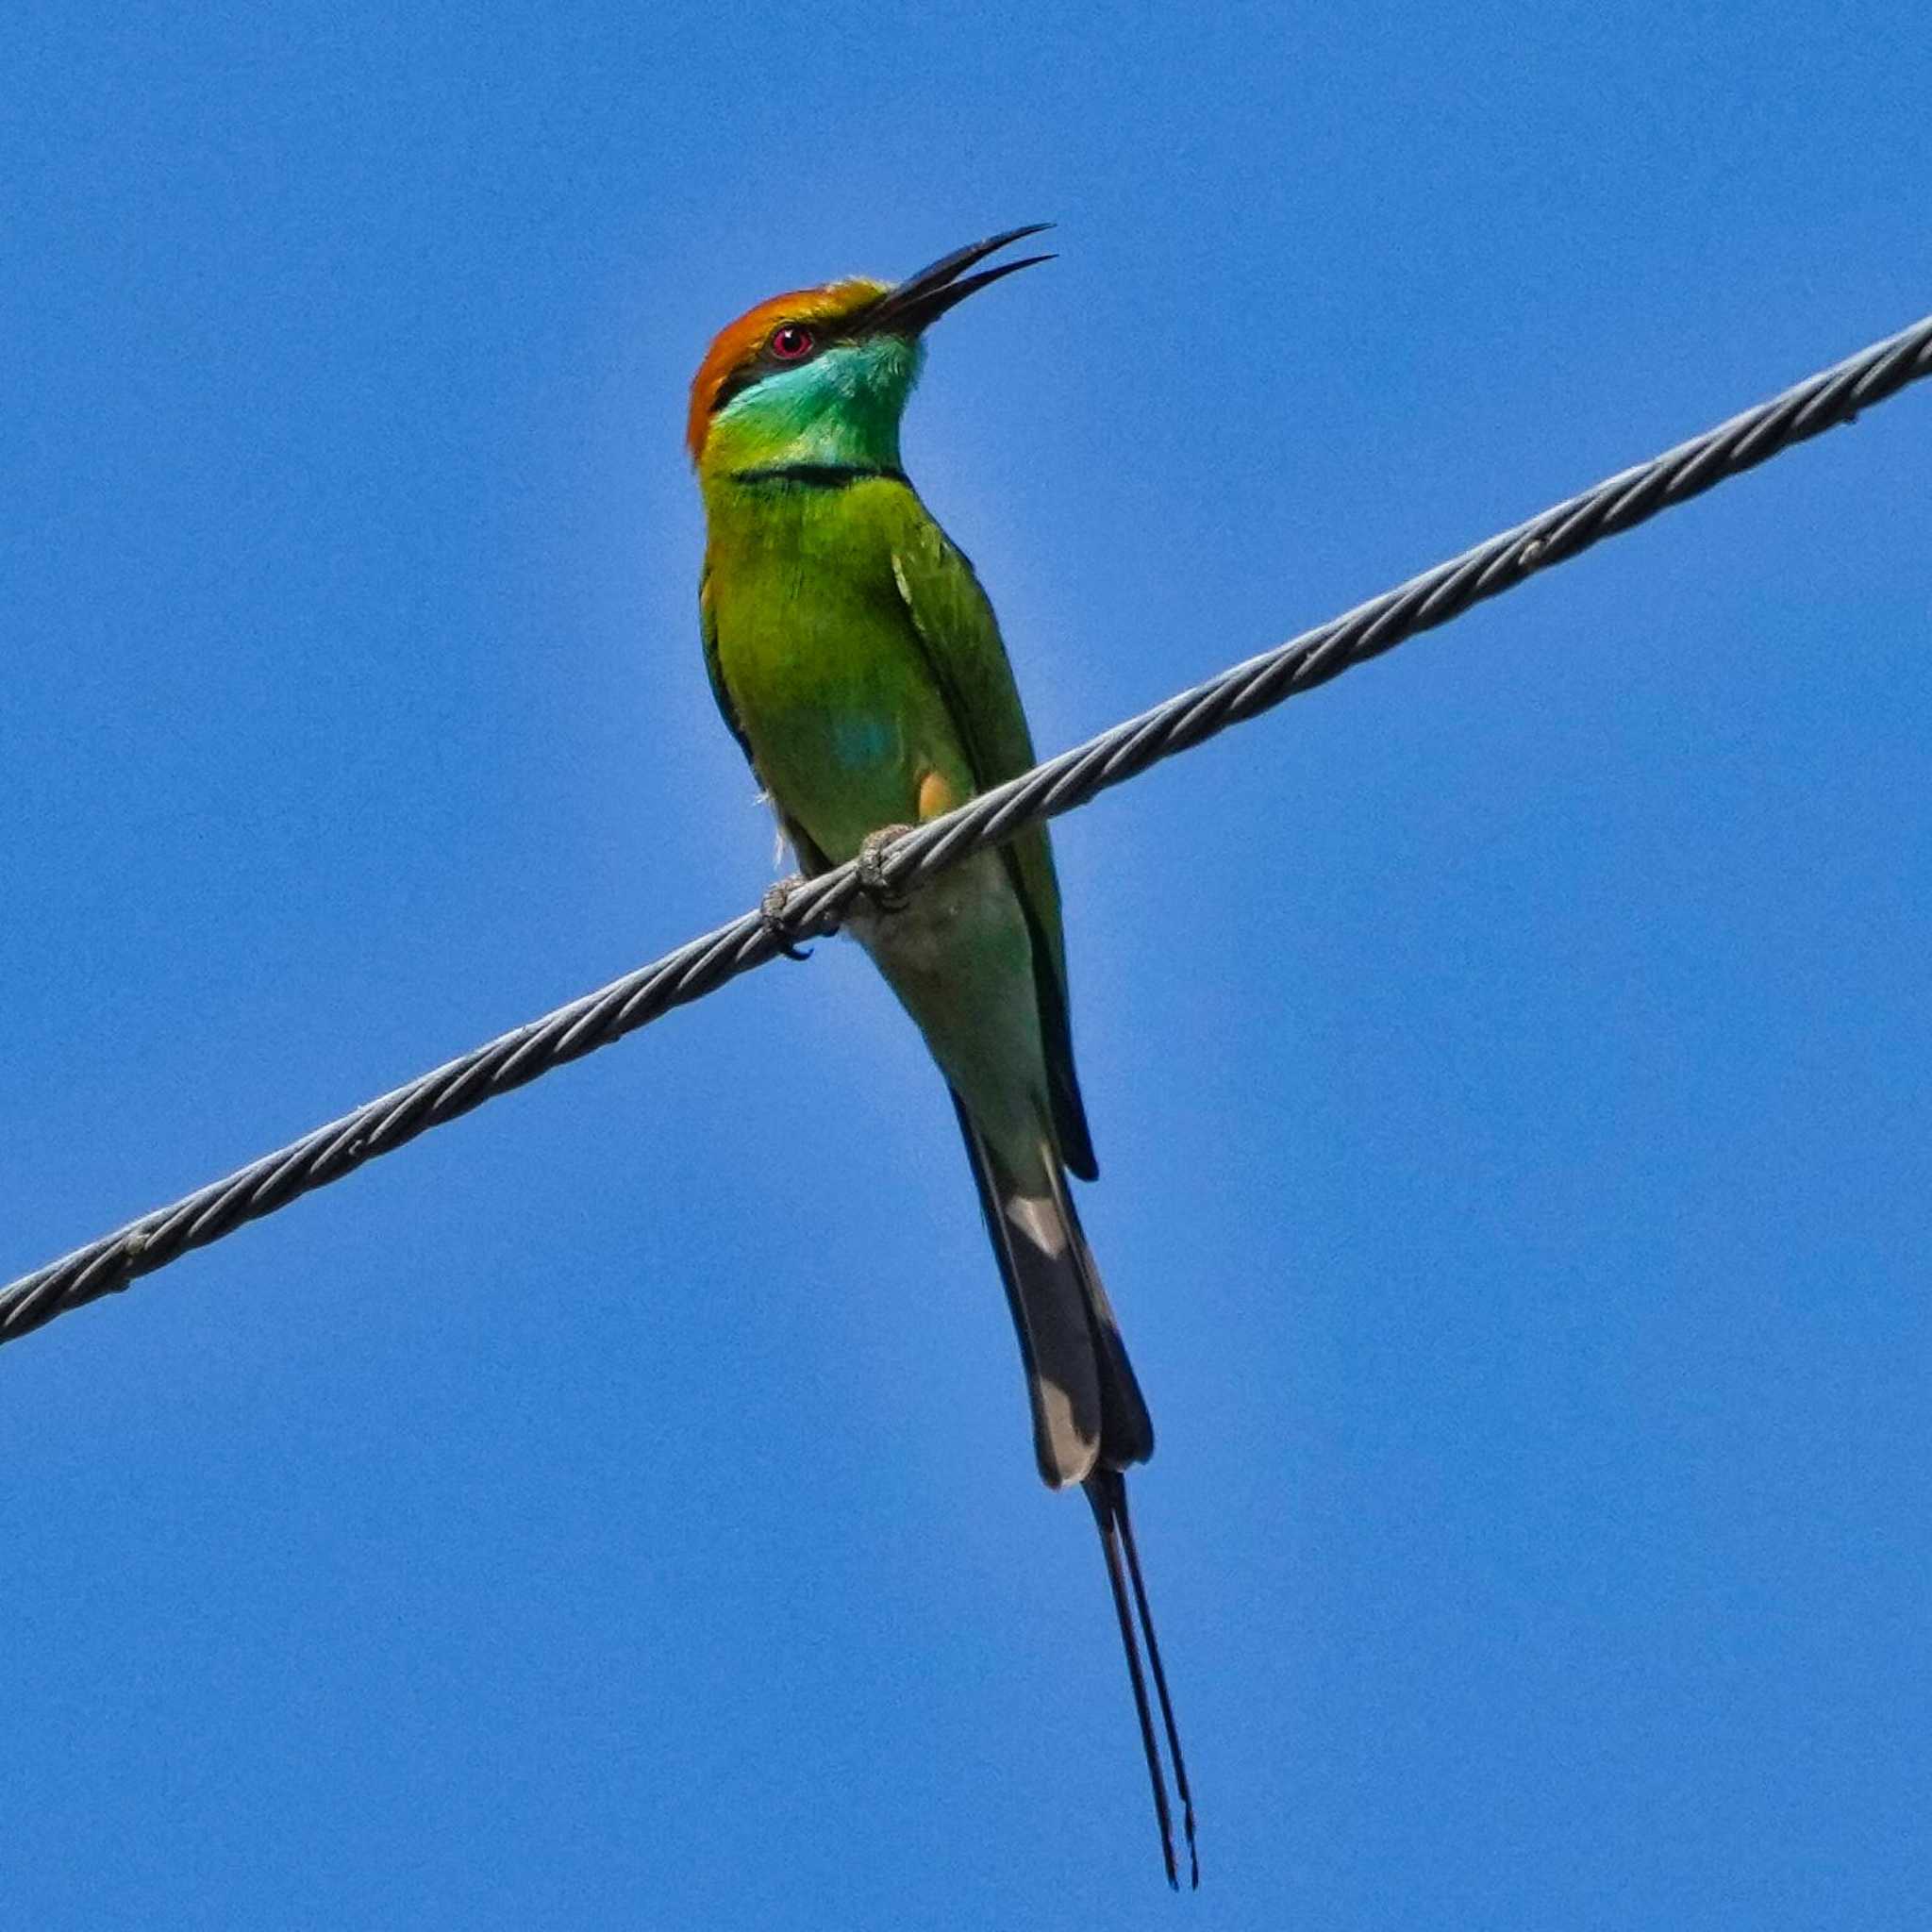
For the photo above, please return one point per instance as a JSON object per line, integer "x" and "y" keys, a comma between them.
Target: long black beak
{"x": 920, "y": 300}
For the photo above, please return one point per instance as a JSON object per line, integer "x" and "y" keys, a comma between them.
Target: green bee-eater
{"x": 858, "y": 663}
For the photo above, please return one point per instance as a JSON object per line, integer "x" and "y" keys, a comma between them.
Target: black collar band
{"x": 816, "y": 476}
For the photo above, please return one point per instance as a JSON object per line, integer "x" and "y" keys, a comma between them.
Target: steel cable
{"x": 700, "y": 966}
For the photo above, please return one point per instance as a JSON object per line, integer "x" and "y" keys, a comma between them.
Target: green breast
{"x": 816, "y": 651}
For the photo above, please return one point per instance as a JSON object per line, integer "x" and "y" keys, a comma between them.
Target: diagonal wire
{"x": 1619, "y": 503}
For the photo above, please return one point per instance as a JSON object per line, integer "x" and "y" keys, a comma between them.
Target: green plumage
{"x": 857, "y": 661}
{"x": 853, "y": 652}
{"x": 858, "y": 664}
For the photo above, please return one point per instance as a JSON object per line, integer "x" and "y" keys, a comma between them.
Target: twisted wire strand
{"x": 1619, "y": 503}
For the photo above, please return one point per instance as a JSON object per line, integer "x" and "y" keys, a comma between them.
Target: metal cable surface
{"x": 704, "y": 964}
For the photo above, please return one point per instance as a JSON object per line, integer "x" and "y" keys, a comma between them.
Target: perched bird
{"x": 858, "y": 664}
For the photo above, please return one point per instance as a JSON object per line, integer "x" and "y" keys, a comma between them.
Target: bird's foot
{"x": 871, "y": 867}
{"x": 777, "y": 896}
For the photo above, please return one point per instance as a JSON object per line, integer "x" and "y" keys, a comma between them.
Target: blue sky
{"x": 1508, "y": 1065}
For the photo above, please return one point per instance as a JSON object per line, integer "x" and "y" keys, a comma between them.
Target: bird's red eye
{"x": 791, "y": 343}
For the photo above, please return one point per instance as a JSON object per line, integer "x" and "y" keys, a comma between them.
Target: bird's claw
{"x": 871, "y": 867}
{"x": 777, "y": 896}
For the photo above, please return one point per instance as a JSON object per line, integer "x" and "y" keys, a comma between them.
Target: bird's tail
{"x": 1107, "y": 1491}
{"x": 1090, "y": 1420}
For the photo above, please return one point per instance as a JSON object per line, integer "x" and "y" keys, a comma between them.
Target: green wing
{"x": 959, "y": 639}
{"x": 707, "y": 624}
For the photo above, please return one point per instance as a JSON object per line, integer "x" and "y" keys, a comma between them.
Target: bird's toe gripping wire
{"x": 871, "y": 867}
{"x": 772, "y": 906}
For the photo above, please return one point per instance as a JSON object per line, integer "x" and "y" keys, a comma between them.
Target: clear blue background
{"x": 1509, "y": 1065}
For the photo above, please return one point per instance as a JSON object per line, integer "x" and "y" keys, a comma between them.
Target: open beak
{"x": 920, "y": 300}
